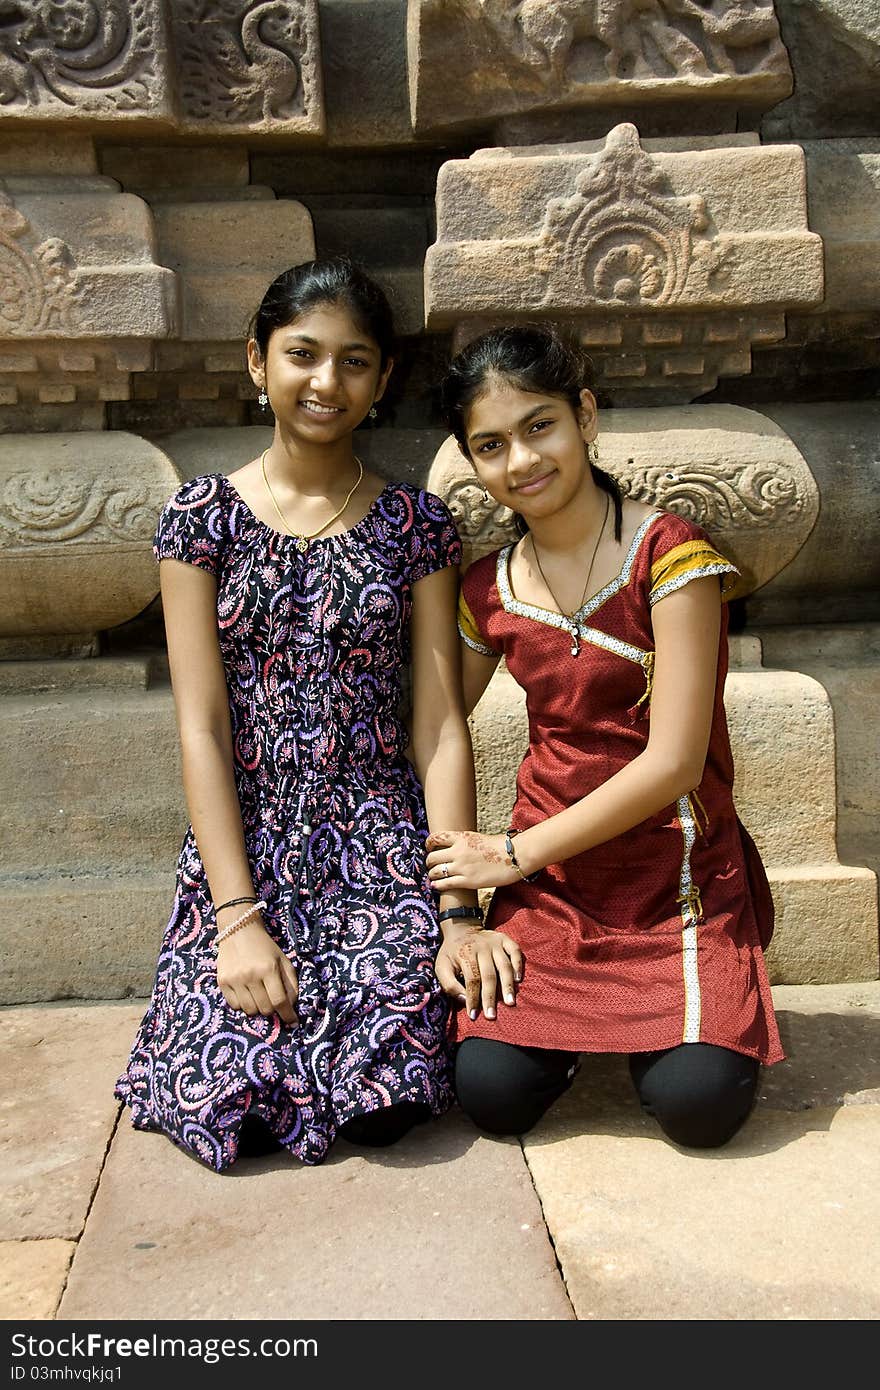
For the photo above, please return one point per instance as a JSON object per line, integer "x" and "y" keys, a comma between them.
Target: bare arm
{"x": 253, "y": 974}
{"x": 476, "y": 672}
{"x": 686, "y": 633}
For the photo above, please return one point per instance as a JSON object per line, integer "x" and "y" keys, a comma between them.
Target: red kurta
{"x": 654, "y": 937}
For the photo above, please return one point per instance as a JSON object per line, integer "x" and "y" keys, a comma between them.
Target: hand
{"x": 464, "y": 859}
{"x": 478, "y": 960}
{"x": 255, "y": 975}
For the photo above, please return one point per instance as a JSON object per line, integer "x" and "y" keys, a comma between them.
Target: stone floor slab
{"x": 32, "y": 1275}
{"x": 781, "y": 1224}
{"x": 58, "y": 1064}
{"x": 445, "y": 1225}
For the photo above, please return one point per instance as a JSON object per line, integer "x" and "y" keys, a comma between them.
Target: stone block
{"x": 249, "y": 69}
{"x": 834, "y": 47}
{"x": 226, "y": 253}
{"x": 826, "y": 924}
{"x": 32, "y": 1278}
{"x": 77, "y": 518}
{"x": 87, "y": 65}
{"x": 618, "y": 233}
{"x": 156, "y": 173}
{"x": 78, "y": 262}
{"x": 58, "y": 1066}
{"x": 843, "y": 182}
{"x": 383, "y": 1216}
{"x": 834, "y": 576}
{"x": 732, "y": 471}
{"x": 28, "y": 152}
{"x": 535, "y": 57}
{"x": 365, "y": 73}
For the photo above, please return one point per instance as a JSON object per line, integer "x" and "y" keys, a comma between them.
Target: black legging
{"x": 699, "y": 1094}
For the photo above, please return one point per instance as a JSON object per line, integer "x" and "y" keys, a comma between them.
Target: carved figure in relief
{"x": 38, "y": 289}
{"x": 39, "y": 507}
{"x": 642, "y": 39}
{"x": 83, "y": 52}
{"x": 625, "y": 237}
{"x": 254, "y": 71}
{"x": 637, "y": 900}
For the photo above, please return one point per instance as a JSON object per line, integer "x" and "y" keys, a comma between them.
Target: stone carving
{"x": 83, "y": 56}
{"x": 534, "y": 55}
{"x": 243, "y": 64}
{"x": 626, "y": 237}
{"x": 38, "y": 290}
{"x": 42, "y": 507}
{"x": 670, "y": 264}
{"x": 729, "y": 470}
{"x": 77, "y": 516}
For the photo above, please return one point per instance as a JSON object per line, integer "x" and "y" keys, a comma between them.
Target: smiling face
{"x": 322, "y": 372}
{"x": 528, "y": 449}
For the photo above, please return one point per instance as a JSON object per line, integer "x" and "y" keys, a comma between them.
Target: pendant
{"x": 575, "y": 641}
{"x": 301, "y": 544}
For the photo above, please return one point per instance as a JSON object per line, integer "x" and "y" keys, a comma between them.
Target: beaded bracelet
{"x": 508, "y": 845}
{"x": 234, "y": 902}
{"x": 240, "y": 921}
{"x": 475, "y": 913}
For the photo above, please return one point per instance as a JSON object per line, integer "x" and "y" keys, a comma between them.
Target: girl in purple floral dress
{"x": 295, "y": 998}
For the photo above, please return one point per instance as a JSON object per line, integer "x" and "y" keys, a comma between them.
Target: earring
{"x": 373, "y": 413}
{"x": 263, "y": 398}
{"x": 593, "y": 451}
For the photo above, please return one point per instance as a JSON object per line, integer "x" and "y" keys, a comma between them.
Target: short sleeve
{"x": 192, "y": 525}
{"x": 434, "y": 543}
{"x": 692, "y": 558}
{"x": 472, "y": 601}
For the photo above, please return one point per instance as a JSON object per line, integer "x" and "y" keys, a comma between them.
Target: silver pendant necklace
{"x": 570, "y": 617}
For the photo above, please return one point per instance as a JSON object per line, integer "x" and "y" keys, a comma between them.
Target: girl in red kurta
{"x": 630, "y": 905}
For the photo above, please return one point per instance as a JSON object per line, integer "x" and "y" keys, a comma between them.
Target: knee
{"x": 699, "y": 1099}
{"x": 501, "y": 1088}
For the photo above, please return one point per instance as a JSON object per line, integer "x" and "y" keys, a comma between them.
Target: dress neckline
{"x": 283, "y": 535}
{"x": 510, "y": 602}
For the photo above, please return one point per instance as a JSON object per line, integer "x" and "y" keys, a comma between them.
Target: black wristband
{"x": 474, "y": 913}
{"x": 234, "y": 902}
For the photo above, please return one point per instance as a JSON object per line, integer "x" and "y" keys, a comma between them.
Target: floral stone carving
{"x": 77, "y": 517}
{"x": 38, "y": 290}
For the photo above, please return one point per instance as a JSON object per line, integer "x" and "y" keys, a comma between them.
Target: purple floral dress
{"x": 314, "y": 645}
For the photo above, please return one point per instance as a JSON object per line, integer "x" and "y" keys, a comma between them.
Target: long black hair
{"x": 529, "y": 357}
{"x": 332, "y": 280}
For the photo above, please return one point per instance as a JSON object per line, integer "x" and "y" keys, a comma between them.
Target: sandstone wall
{"x": 694, "y": 188}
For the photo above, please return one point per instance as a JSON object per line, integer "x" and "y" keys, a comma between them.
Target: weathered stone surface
{"x": 365, "y": 73}
{"x": 846, "y": 662}
{"x": 58, "y": 1068}
{"x": 534, "y": 56}
{"x": 834, "y": 47}
{"x": 835, "y": 577}
{"x": 85, "y": 64}
{"x": 226, "y": 253}
{"x": 826, "y": 924}
{"x": 384, "y": 1214}
{"x": 200, "y": 172}
{"x": 647, "y": 1231}
{"x": 248, "y": 68}
{"x": 732, "y": 471}
{"x": 76, "y": 260}
{"x": 28, "y": 153}
{"x": 32, "y": 1276}
{"x": 671, "y": 263}
{"x": 843, "y": 184}
{"x": 77, "y": 517}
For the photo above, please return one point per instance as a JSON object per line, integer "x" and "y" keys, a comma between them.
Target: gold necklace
{"x": 570, "y": 617}
{"x": 302, "y": 541}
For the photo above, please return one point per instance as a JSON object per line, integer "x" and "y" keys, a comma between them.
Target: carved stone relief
{"x": 74, "y": 59}
{"x": 77, "y": 517}
{"x": 729, "y": 470}
{"x": 671, "y": 263}
{"x": 244, "y": 66}
{"x": 533, "y": 55}
{"x": 38, "y": 290}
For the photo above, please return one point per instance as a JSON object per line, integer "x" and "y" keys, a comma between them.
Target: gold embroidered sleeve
{"x": 692, "y": 560}
{"x": 469, "y": 631}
